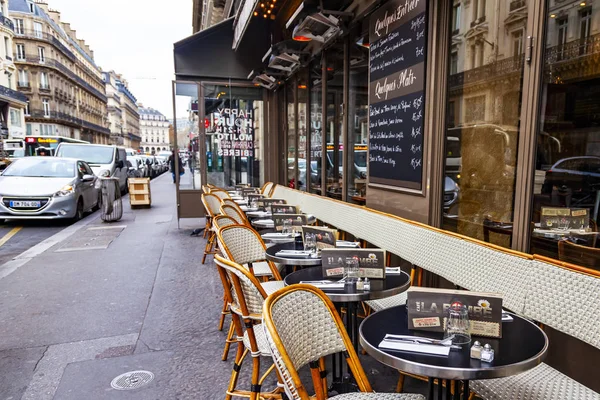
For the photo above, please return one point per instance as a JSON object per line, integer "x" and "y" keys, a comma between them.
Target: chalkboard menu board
{"x": 398, "y": 44}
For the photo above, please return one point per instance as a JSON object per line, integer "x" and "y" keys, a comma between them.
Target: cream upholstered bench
{"x": 531, "y": 286}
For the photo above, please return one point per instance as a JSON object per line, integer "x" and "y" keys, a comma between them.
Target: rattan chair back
{"x": 211, "y": 204}
{"x": 235, "y": 213}
{"x": 229, "y": 202}
{"x": 205, "y": 189}
{"x": 302, "y": 326}
{"x": 222, "y": 221}
{"x": 220, "y": 193}
{"x": 266, "y": 189}
{"x": 248, "y": 294}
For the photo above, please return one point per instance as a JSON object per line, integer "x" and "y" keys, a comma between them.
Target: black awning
{"x": 208, "y": 53}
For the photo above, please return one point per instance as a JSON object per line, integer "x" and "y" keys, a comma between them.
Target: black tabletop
{"x": 296, "y": 245}
{"x": 380, "y": 288}
{"x": 523, "y": 346}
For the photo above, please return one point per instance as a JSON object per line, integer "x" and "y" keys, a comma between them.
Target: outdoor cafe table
{"x": 523, "y": 346}
{"x": 350, "y": 298}
{"x": 289, "y": 263}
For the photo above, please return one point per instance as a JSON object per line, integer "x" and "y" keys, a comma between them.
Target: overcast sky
{"x": 134, "y": 38}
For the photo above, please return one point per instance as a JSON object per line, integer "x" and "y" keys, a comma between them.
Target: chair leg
{"x": 239, "y": 357}
{"x": 471, "y": 395}
{"x": 400, "y": 385}
{"x": 255, "y": 385}
{"x": 224, "y": 312}
{"x": 228, "y": 341}
{"x": 209, "y": 242}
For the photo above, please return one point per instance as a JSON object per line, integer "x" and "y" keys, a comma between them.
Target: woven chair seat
{"x": 378, "y": 396}
{"x": 261, "y": 268}
{"x": 542, "y": 382}
{"x": 388, "y": 302}
{"x": 272, "y": 286}
{"x": 261, "y": 340}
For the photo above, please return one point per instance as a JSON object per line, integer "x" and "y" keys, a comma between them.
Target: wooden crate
{"x": 139, "y": 192}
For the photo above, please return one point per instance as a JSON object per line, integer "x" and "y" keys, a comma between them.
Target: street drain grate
{"x": 132, "y": 380}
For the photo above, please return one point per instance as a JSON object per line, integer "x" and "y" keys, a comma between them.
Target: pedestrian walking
{"x": 171, "y": 161}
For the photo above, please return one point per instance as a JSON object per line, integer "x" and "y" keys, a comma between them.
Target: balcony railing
{"x": 33, "y": 34}
{"x": 12, "y": 94}
{"x": 45, "y": 87}
{"x": 516, "y": 4}
{"x": 573, "y": 50}
{"x": 488, "y": 72}
{"x": 50, "y": 62}
{"x": 7, "y": 23}
{"x": 36, "y": 113}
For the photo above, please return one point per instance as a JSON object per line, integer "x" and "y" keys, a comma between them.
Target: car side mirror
{"x": 88, "y": 178}
{"x": 120, "y": 164}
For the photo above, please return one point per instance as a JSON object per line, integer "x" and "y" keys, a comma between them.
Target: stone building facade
{"x": 154, "y": 130}
{"x": 56, "y": 71}
{"x": 123, "y": 115}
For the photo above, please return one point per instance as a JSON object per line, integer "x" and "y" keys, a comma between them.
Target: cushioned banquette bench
{"x": 559, "y": 295}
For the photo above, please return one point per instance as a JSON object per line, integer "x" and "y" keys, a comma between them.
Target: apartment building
{"x": 154, "y": 130}
{"x": 123, "y": 115}
{"x": 12, "y": 103}
{"x": 57, "y": 73}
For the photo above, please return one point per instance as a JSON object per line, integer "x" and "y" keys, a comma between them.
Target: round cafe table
{"x": 271, "y": 252}
{"x": 523, "y": 346}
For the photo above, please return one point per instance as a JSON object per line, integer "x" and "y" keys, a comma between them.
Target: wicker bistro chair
{"x": 235, "y": 213}
{"x": 212, "y": 206}
{"x": 267, "y": 189}
{"x": 578, "y": 254}
{"x": 220, "y": 193}
{"x": 302, "y": 327}
{"x": 567, "y": 301}
{"x": 247, "y": 296}
{"x": 244, "y": 246}
{"x": 229, "y": 202}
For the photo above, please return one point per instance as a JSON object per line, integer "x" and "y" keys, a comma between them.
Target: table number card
{"x": 247, "y": 191}
{"x": 298, "y": 220}
{"x": 371, "y": 262}
{"x": 325, "y": 237}
{"x": 265, "y": 204}
{"x": 427, "y": 308}
{"x": 283, "y": 209}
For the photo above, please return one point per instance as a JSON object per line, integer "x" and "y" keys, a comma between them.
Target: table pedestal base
{"x": 459, "y": 387}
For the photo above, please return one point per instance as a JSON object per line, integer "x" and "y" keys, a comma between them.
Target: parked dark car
{"x": 577, "y": 177}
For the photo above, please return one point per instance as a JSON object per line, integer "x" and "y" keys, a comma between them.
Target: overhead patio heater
{"x": 317, "y": 27}
{"x": 284, "y": 62}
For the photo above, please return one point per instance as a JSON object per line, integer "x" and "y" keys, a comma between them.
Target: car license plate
{"x": 28, "y": 204}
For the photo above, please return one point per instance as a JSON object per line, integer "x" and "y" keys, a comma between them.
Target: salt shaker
{"x": 487, "y": 354}
{"x": 476, "y": 350}
{"x": 367, "y": 284}
{"x": 360, "y": 284}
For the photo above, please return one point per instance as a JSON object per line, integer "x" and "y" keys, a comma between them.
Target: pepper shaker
{"x": 487, "y": 354}
{"x": 476, "y": 350}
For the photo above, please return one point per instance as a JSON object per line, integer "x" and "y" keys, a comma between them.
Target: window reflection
{"x": 566, "y": 194}
{"x": 316, "y": 127}
{"x": 302, "y": 131}
{"x": 486, "y": 61}
{"x": 188, "y": 130}
{"x": 335, "y": 75}
{"x": 290, "y": 92}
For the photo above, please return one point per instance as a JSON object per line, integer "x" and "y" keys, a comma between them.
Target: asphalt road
{"x": 19, "y": 236}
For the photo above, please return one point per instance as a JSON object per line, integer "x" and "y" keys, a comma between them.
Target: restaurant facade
{"x": 480, "y": 117}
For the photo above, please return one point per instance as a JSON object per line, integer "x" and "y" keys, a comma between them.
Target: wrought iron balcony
{"x": 63, "y": 117}
{"x": 488, "y": 72}
{"x": 7, "y": 23}
{"x": 45, "y": 87}
{"x": 12, "y": 94}
{"x": 573, "y": 50}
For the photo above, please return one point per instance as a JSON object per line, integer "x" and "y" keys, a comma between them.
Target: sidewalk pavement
{"x": 98, "y": 300}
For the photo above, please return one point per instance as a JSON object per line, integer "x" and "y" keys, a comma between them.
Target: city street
{"x": 18, "y": 236}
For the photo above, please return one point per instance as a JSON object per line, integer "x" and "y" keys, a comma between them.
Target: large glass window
{"x": 335, "y": 89}
{"x": 484, "y": 102}
{"x": 186, "y": 120}
{"x": 358, "y": 120}
{"x": 234, "y": 134}
{"x": 566, "y": 197}
{"x": 290, "y": 92}
{"x": 316, "y": 126}
{"x": 302, "y": 80}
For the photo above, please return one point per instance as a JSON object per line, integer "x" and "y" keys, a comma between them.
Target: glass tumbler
{"x": 286, "y": 228}
{"x": 351, "y": 270}
{"x": 458, "y": 326}
{"x": 310, "y": 243}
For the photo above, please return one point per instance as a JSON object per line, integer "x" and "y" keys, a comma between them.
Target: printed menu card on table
{"x": 371, "y": 262}
{"x": 398, "y": 52}
{"x": 296, "y": 220}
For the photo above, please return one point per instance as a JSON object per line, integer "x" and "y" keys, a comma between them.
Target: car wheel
{"x": 79, "y": 212}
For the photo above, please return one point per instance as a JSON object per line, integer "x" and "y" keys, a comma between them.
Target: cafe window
{"x": 290, "y": 92}
{"x": 566, "y": 193}
{"x": 358, "y": 128}
{"x": 302, "y": 83}
{"x": 316, "y": 126}
{"x": 482, "y": 132}
{"x": 517, "y": 39}
{"x": 333, "y": 127}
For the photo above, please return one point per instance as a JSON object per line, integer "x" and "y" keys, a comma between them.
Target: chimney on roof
{"x": 42, "y": 5}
